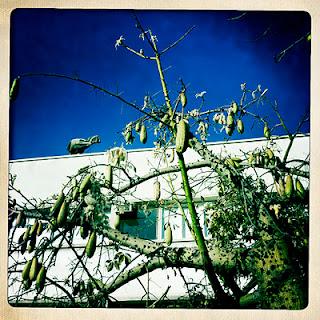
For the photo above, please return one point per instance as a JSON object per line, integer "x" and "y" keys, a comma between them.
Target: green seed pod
{"x": 182, "y": 136}
{"x": 34, "y": 269}
{"x": 56, "y": 207}
{"x": 288, "y": 186}
{"x": 84, "y": 231}
{"x": 109, "y": 176}
{"x": 27, "y": 284}
{"x": 32, "y": 244}
{"x": 91, "y": 244}
{"x": 230, "y": 120}
{"x": 229, "y": 130}
{"x": 75, "y": 193}
{"x": 168, "y": 235}
{"x": 33, "y": 230}
{"x": 164, "y": 119}
{"x": 53, "y": 225}
{"x": 63, "y": 213}
{"x": 41, "y": 279}
{"x": 143, "y": 134}
{"x": 14, "y": 90}
{"x": 266, "y": 131}
{"x": 280, "y": 187}
{"x": 269, "y": 153}
{"x": 300, "y": 189}
{"x": 116, "y": 221}
{"x": 234, "y": 107}
{"x": 183, "y": 99}
{"x": 138, "y": 126}
{"x": 157, "y": 190}
{"x": 85, "y": 183}
{"x": 26, "y": 270}
{"x": 240, "y": 126}
{"x": 40, "y": 228}
{"x": 23, "y": 247}
{"x": 26, "y": 234}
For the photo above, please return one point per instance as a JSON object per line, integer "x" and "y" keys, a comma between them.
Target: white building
{"x": 40, "y": 178}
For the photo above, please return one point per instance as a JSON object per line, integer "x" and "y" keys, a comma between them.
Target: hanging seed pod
{"x": 280, "y": 187}
{"x": 34, "y": 269}
{"x": 20, "y": 218}
{"x": 109, "y": 176}
{"x": 23, "y": 247}
{"x": 116, "y": 221}
{"x": 26, "y": 270}
{"x": 183, "y": 99}
{"x": 234, "y": 107}
{"x": 85, "y": 183}
{"x": 40, "y": 228}
{"x": 26, "y": 234}
{"x": 216, "y": 117}
{"x": 53, "y": 226}
{"x": 229, "y": 130}
{"x": 91, "y": 244}
{"x": 32, "y": 244}
{"x": 182, "y": 136}
{"x": 75, "y": 193}
{"x": 300, "y": 189}
{"x": 289, "y": 186}
{"x": 84, "y": 231}
{"x": 164, "y": 119}
{"x": 171, "y": 157}
{"x": 33, "y": 230}
{"x": 56, "y": 207}
{"x": 14, "y": 90}
{"x": 240, "y": 126}
{"x": 63, "y": 213}
{"x": 41, "y": 279}
{"x": 168, "y": 235}
{"x": 269, "y": 153}
{"x": 27, "y": 284}
{"x": 266, "y": 131}
{"x": 138, "y": 126}
{"x": 143, "y": 134}
{"x": 157, "y": 190}
{"x": 230, "y": 120}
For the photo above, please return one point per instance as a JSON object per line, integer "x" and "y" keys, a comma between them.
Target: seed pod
{"x": 32, "y": 244}
{"x": 164, "y": 119}
{"x": 75, "y": 193}
{"x": 34, "y": 228}
{"x": 251, "y": 159}
{"x": 41, "y": 279}
{"x": 84, "y": 231}
{"x": 53, "y": 225}
{"x": 63, "y": 213}
{"x": 14, "y": 90}
{"x": 91, "y": 244}
{"x": 229, "y": 120}
{"x": 26, "y": 270}
{"x": 234, "y": 107}
{"x": 216, "y": 117}
{"x": 56, "y": 207}
{"x": 34, "y": 269}
{"x": 27, "y": 284}
{"x": 300, "y": 189}
{"x": 280, "y": 187}
{"x": 40, "y": 228}
{"x": 240, "y": 126}
{"x": 157, "y": 190}
{"x": 171, "y": 157}
{"x": 168, "y": 235}
{"x": 20, "y": 217}
{"x": 128, "y": 137}
{"x": 138, "y": 126}
{"x": 229, "y": 130}
{"x": 85, "y": 183}
{"x": 183, "y": 99}
{"x": 266, "y": 131}
{"x": 109, "y": 176}
{"x": 143, "y": 134}
{"x": 26, "y": 234}
{"x": 269, "y": 153}
{"x": 288, "y": 186}
{"x": 116, "y": 221}
{"x": 182, "y": 136}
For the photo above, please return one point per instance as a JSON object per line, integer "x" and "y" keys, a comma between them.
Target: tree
{"x": 256, "y": 254}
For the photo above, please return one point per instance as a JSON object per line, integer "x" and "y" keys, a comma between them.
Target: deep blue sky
{"x": 217, "y": 57}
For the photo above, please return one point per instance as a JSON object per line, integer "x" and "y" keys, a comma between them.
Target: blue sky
{"x": 217, "y": 57}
